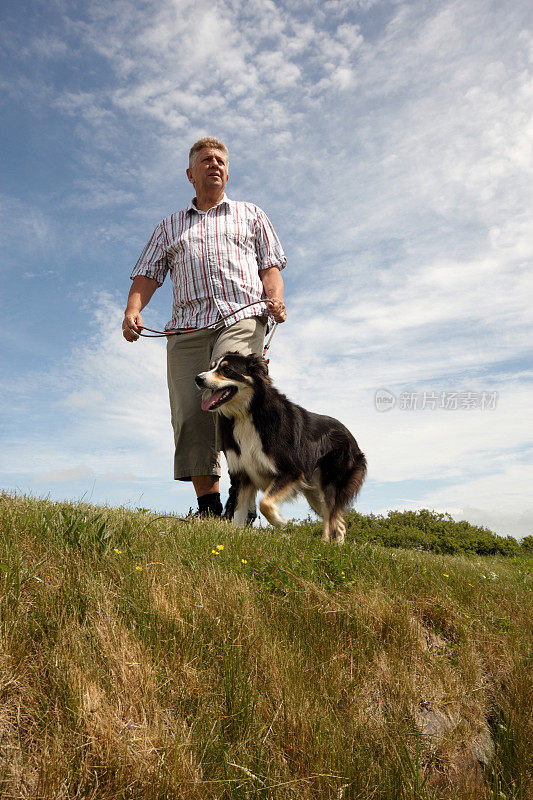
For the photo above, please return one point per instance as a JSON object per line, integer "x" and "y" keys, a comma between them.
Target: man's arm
{"x": 273, "y": 286}
{"x": 142, "y": 289}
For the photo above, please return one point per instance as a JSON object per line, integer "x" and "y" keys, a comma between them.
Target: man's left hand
{"x": 278, "y": 310}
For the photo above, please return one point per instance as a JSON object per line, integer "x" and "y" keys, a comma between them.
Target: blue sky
{"x": 390, "y": 143}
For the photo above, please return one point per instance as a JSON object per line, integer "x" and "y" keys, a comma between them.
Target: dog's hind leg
{"x": 280, "y": 489}
{"x": 315, "y": 497}
{"x": 334, "y": 525}
{"x": 341, "y": 476}
{"x": 326, "y": 533}
{"x": 334, "y": 528}
{"x": 323, "y": 503}
{"x": 338, "y": 528}
{"x": 342, "y": 494}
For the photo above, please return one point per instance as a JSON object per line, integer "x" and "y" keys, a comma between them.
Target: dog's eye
{"x": 212, "y": 364}
{"x": 228, "y": 371}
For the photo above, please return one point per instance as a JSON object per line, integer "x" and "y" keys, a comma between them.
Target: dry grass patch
{"x": 141, "y": 657}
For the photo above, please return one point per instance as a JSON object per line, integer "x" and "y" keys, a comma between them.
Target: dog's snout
{"x": 200, "y": 380}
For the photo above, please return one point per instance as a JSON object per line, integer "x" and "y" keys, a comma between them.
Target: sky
{"x": 390, "y": 142}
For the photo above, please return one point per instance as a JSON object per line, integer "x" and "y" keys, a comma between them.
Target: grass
{"x": 145, "y": 657}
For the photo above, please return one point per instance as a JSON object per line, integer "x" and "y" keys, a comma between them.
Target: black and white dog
{"x": 274, "y": 445}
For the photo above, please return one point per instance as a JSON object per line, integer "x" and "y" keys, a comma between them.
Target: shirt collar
{"x": 225, "y": 201}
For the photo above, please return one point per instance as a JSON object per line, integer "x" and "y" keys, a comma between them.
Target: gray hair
{"x": 207, "y": 141}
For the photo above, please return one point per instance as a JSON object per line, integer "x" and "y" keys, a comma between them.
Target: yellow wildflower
{"x": 445, "y": 575}
{"x": 117, "y": 550}
{"x": 243, "y": 561}
{"x": 220, "y": 546}
{"x": 138, "y": 567}
{"x": 215, "y": 552}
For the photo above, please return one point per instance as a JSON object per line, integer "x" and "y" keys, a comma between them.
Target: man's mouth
{"x": 218, "y": 398}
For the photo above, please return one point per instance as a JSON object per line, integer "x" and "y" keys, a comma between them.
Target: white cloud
{"x": 86, "y": 398}
{"x": 25, "y": 227}
{"x": 391, "y": 144}
{"x": 512, "y": 523}
{"x": 46, "y": 273}
{"x": 65, "y": 475}
{"x": 116, "y": 421}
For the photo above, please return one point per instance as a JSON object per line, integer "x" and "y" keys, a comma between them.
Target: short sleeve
{"x": 153, "y": 261}
{"x": 267, "y": 245}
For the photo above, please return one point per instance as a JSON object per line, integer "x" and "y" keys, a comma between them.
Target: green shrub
{"x": 430, "y": 530}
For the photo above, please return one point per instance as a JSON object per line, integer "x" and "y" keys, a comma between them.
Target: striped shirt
{"x": 214, "y": 258}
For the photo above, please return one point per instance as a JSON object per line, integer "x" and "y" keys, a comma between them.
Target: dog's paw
{"x": 271, "y": 514}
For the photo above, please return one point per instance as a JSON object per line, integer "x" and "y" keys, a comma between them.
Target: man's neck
{"x": 204, "y": 202}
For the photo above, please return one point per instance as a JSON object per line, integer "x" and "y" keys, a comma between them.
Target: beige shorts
{"x": 195, "y": 431}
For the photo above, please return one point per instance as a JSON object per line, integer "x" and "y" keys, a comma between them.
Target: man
{"x": 221, "y": 255}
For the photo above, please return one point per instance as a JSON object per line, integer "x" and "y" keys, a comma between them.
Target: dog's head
{"x": 230, "y": 382}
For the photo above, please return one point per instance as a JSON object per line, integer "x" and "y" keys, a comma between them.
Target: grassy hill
{"x": 147, "y": 657}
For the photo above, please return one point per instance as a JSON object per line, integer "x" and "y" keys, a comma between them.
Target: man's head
{"x": 208, "y": 165}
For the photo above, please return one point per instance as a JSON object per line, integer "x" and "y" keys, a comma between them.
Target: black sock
{"x": 210, "y": 504}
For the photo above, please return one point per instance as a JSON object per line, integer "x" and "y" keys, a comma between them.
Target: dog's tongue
{"x": 212, "y": 399}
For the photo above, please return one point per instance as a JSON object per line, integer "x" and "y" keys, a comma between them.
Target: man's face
{"x": 210, "y": 171}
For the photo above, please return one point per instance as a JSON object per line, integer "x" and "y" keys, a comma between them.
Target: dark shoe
{"x": 209, "y": 505}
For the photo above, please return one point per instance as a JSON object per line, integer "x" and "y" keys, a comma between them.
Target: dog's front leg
{"x": 245, "y": 500}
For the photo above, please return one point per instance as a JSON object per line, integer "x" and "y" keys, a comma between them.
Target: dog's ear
{"x": 258, "y": 366}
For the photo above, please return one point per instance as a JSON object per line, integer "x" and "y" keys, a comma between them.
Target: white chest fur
{"x": 252, "y": 459}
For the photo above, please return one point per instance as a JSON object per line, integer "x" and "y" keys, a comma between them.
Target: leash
{"x": 155, "y": 334}
{"x": 272, "y": 332}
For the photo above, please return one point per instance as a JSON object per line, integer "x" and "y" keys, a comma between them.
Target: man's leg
{"x": 205, "y": 484}
{"x": 196, "y": 456}
{"x": 246, "y": 336}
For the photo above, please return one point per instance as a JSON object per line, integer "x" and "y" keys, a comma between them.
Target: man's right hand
{"x": 132, "y": 326}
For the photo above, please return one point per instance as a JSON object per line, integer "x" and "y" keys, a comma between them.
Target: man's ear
{"x": 189, "y": 175}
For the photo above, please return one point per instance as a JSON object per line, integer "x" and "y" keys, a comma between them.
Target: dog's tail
{"x": 355, "y": 480}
